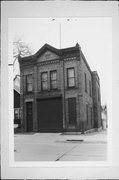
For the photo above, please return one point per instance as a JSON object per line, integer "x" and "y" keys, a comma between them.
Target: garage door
{"x": 49, "y": 115}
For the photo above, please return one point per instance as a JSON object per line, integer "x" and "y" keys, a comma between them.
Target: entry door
{"x": 72, "y": 111}
{"x": 29, "y": 116}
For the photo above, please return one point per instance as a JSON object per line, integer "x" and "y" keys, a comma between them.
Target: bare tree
{"x": 20, "y": 48}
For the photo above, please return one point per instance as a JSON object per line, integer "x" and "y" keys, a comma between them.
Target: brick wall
{"x": 49, "y": 61}
{"x": 96, "y": 100}
{"x": 87, "y": 99}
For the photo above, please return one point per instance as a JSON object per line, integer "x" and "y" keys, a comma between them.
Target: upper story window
{"x": 90, "y": 88}
{"x": 29, "y": 83}
{"x": 44, "y": 81}
{"x": 53, "y": 79}
{"x": 85, "y": 82}
{"x": 98, "y": 95}
{"x": 71, "y": 77}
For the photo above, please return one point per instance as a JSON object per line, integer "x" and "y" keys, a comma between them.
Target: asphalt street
{"x": 58, "y": 147}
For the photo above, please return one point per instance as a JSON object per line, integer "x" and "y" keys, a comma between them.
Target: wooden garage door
{"x": 49, "y": 115}
{"x": 29, "y": 116}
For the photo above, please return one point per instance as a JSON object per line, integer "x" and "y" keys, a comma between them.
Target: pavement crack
{"x": 65, "y": 153}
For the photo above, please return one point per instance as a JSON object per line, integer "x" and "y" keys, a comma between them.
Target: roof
{"x": 47, "y": 46}
{"x": 96, "y": 74}
{"x": 17, "y": 84}
{"x": 59, "y": 52}
{"x": 85, "y": 61}
{"x": 17, "y": 88}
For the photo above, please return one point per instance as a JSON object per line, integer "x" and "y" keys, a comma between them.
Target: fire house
{"x": 58, "y": 91}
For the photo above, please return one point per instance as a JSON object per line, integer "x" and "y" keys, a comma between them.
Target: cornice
{"x": 62, "y": 53}
{"x": 54, "y": 61}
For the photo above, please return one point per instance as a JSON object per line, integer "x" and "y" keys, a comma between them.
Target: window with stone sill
{"x": 87, "y": 119}
{"x": 90, "y": 88}
{"x": 29, "y": 83}
{"x": 98, "y": 95}
{"x": 85, "y": 82}
{"x": 44, "y": 81}
{"x": 71, "y": 77}
{"x": 53, "y": 79}
{"x": 16, "y": 113}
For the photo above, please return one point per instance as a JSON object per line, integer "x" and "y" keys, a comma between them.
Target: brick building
{"x": 59, "y": 92}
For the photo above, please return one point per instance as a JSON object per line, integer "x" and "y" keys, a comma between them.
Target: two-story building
{"x": 59, "y": 92}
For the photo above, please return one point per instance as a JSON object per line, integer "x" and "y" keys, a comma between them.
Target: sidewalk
{"x": 58, "y": 147}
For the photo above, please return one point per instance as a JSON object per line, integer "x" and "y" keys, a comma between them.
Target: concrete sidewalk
{"x": 58, "y": 147}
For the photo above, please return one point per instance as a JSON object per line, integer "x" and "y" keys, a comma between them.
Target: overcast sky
{"x": 94, "y": 35}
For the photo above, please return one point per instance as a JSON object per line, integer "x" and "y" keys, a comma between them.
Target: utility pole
{"x": 60, "y": 33}
{"x": 63, "y": 64}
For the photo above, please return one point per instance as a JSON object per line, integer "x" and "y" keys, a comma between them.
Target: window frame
{"x": 87, "y": 115}
{"x": 68, "y": 78}
{"x": 18, "y": 113}
{"x": 85, "y": 82}
{"x": 98, "y": 94}
{"x": 72, "y": 100}
{"x": 44, "y": 81}
{"x": 53, "y": 80}
{"x": 27, "y": 83}
{"x": 90, "y": 88}
{"x": 91, "y": 115}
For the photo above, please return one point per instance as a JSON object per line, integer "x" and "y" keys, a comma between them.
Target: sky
{"x": 94, "y": 35}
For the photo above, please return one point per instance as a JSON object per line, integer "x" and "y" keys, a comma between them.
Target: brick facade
{"x": 86, "y": 104}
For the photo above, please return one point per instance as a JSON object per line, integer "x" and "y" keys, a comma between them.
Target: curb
{"x": 85, "y": 132}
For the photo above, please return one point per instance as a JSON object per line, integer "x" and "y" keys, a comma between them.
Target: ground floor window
{"x": 16, "y": 113}
{"x": 87, "y": 119}
{"x": 91, "y": 111}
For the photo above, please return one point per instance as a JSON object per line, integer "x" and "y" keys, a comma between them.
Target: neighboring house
{"x": 96, "y": 100}
{"x": 104, "y": 117}
{"x": 59, "y": 92}
{"x": 16, "y": 100}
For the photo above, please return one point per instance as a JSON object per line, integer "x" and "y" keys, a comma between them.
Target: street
{"x": 61, "y": 147}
